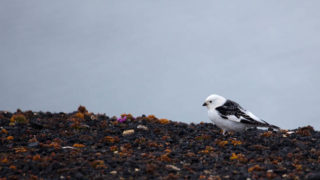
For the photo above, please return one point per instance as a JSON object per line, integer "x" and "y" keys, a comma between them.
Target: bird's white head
{"x": 214, "y": 101}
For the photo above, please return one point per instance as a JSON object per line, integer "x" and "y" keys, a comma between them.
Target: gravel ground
{"x": 83, "y": 145}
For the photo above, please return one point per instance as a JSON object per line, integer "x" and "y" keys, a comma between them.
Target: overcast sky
{"x": 162, "y": 57}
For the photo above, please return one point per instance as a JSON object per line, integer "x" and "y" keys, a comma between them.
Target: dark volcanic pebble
{"x": 83, "y": 145}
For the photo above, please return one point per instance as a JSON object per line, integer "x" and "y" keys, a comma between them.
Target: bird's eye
{"x": 210, "y": 101}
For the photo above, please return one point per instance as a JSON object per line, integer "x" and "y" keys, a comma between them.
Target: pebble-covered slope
{"x": 84, "y": 145}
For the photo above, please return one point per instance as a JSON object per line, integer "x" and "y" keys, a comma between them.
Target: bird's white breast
{"x": 225, "y": 123}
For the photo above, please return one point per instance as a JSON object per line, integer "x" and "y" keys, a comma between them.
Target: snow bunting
{"x": 230, "y": 116}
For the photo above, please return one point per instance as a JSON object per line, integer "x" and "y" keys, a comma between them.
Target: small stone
{"x": 128, "y": 132}
{"x": 314, "y": 176}
{"x": 173, "y": 167}
{"x": 113, "y": 172}
{"x": 68, "y": 147}
{"x": 136, "y": 169}
{"x": 33, "y": 144}
{"x": 143, "y": 127}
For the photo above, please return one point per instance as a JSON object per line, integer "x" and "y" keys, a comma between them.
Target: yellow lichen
{"x": 235, "y": 142}
{"x": 164, "y": 121}
{"x": 20, "y": 149}
{"x": 298, "y": 166}
{"x": 240, "y": 157}
{"x": 18, "y": 118}
{"x": 207, "y": 150}
{"x": 233, "y": 156}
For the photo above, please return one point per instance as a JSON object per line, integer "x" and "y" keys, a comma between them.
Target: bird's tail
{"x": 270, "y": 125}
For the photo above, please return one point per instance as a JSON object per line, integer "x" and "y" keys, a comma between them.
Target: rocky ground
{"x": 83, "y": 145}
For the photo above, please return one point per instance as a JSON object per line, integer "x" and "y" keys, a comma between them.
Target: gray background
{"x": 162, "y": 57}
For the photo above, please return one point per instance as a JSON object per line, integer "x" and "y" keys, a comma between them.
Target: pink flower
{"x": 122, "y": 119}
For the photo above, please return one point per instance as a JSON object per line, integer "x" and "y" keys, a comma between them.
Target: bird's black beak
{"x": 204, "y": 104}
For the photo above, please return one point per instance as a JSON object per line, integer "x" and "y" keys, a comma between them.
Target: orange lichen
{"x": 125, "y": 147}
{"x": 271, "y": 175}
{"x": 79, "y": 115}
{"x": 9, "y": 138}
{"x": 164, "y": 158}
{"x": 111, "y": 139}
{"x": 53, "y": 154}
{"x": 78, "y": 145}
{"x": 82, "y": 109}
{"x": 259, "y": 147}
{"x": 267, "y": 134}
{"x": 167, "y": 150}
{"x": 4, "y": 131}
{"x": 76, "y": 123}
{"x": 164, "y": 121}
{"x": 153, "y": 144}
{"x": 165, "y": 137}
{"x": 4, "y": 160}
{"x": 36, "y": 157}
{"x": 98, "y": 164}
{"x": 141, "y": 140}
{"x": 113, "y": 148}
{"x": 151, "y": 116}
{"x": 128, "y": 116}
{"x": 57, "y": 140}
{"x": 305, "y": 131}
{"x": 33, "y": 177}
{"x": 34, "y": 139}
{"x": 190, "y": 154}
{"x": 13, "y": 167}
{"x": 222, "y": 143}
{"x": 150, "y": 168}
{"x": 255, "y": 168}
{"x": 55, "y": 145}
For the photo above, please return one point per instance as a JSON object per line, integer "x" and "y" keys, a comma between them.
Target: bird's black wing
{"x": 233, "y": 111}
